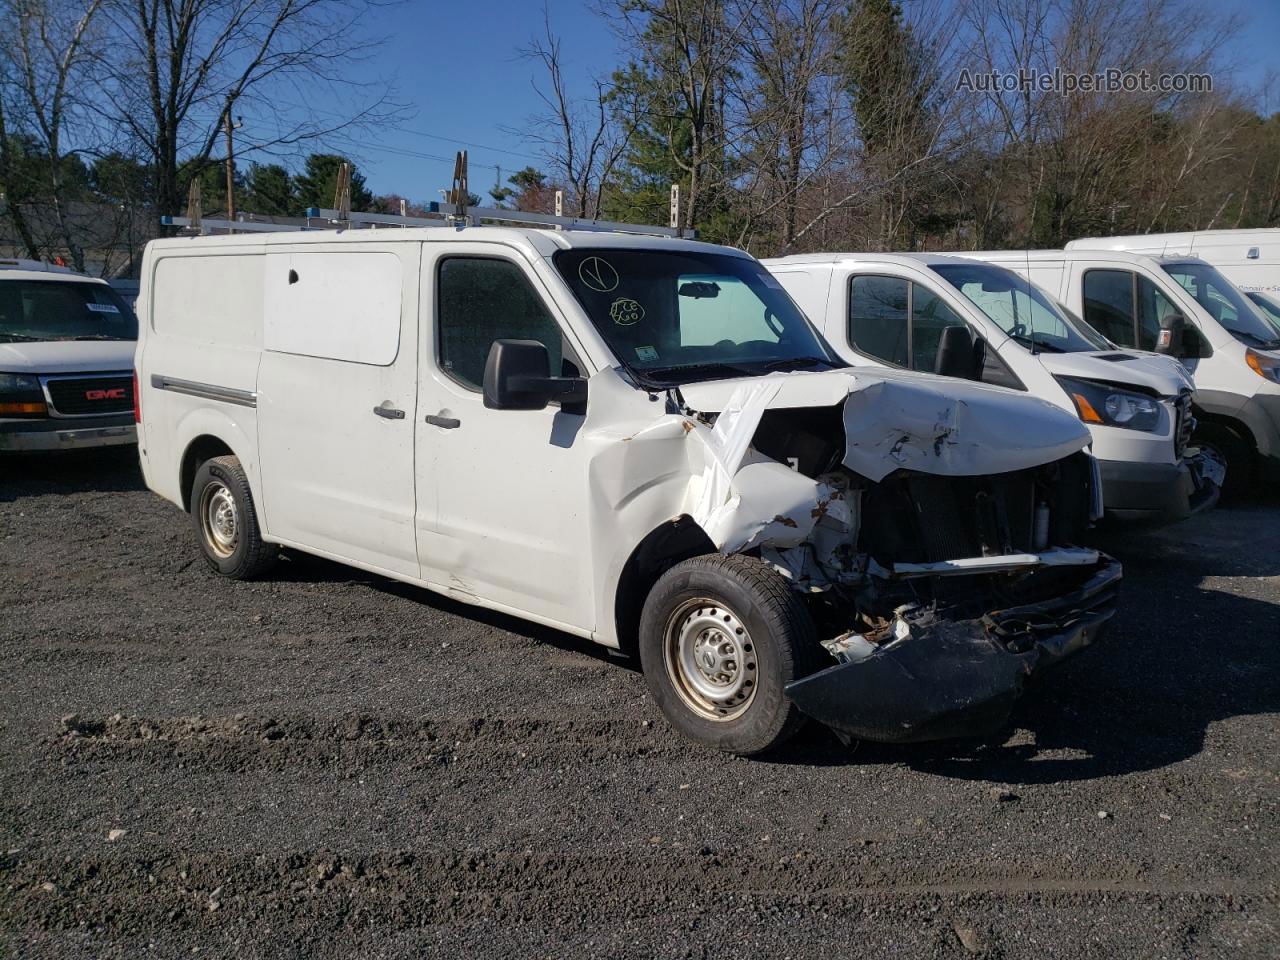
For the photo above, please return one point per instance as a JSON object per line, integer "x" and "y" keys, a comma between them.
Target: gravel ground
{"x": 329, "y": 764}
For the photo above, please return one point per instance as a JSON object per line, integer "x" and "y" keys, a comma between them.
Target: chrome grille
{"x": 90, "y": 396}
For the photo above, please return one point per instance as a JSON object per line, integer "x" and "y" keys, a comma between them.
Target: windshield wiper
{"x": 19, "y": 338}
{"x": 1036, "y": 344}
{"x": 94, "y": 336}
{"x": 784, "y": 362}
{"x": 1257, "y": 340}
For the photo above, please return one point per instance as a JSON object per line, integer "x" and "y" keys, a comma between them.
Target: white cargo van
{"x": 1248, "y": 258}
{"x": 66, "y": 360}
{"x": 1232, "y": 352}
{"x": 894, "y": 309}
{"x": 632, "y": 438}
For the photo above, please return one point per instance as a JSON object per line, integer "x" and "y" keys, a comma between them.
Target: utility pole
{"x": 231, "y": 162}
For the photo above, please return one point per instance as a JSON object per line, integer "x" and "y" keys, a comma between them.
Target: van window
{"x": 334, "y": 305}
{"x": 1125, "y": 307}
{"x": 1219, "y": 297}
{"x": 1019, "y": 308}
{"x": 715, "y": 309}
{"x": 483, "y": 299}
{"x": 878, "y": 318}
{"x": 1108, "y": 304}
{"x": 62, "y": 310}
{"x": 929, "y": 317}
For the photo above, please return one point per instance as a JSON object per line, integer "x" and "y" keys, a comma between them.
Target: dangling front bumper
{"x": 947, "y": 679}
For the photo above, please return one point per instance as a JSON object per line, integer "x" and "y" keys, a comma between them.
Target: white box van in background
{"x": 1248, "y": 258}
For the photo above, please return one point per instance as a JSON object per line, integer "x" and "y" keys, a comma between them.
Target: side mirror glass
{"x": 956, "y": 353}
{"x": 517, "y": 376}
{"x": 1172, "y": 337}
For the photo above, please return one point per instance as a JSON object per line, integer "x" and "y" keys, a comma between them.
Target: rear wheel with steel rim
{"x": 226, "y": 522}
{"x": 720, "y": 637}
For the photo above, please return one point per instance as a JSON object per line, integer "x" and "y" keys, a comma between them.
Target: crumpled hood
{"x": 1160, "y": 373}
{"x": 67, "y": 356}
{"x": 900, "y": 420}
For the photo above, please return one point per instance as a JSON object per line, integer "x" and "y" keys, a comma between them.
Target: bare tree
{"x": 581, "y": 139}
{"x": 179, "y": 67}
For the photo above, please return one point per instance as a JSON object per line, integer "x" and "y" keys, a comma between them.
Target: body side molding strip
{"x": 206, "y": 391}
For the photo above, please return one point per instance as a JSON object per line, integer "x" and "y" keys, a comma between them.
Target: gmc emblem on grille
{"x": 116, "y": 394}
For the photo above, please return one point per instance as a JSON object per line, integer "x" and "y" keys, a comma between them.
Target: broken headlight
{"x": 1110, "y": 406}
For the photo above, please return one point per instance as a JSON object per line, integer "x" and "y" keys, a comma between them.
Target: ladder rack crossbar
{"x": 445, "y": 210}
{"x": 238, "y": 226}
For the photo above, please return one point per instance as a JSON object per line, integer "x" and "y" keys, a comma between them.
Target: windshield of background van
{"x": 674, "y": 317}
{"x": 1019, "y": 308}
{"x": 1268, "y": 306}
{"x": 32, "y": 310}
{"x": 1220, "y": 298}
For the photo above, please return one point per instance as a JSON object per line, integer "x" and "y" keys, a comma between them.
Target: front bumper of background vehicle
{"x": 44, "y": 436}
{"x": 1157, "y": 492}
{"x": 957, "y": 678}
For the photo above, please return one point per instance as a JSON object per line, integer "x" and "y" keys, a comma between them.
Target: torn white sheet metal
{"x": 967, "y": 566}
{"x": 898, "y": 419}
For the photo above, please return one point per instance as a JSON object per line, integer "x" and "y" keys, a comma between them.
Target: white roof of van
{"x": 1163, "y": 241}
{"x": 902, "y": 259}
{"x": 1056, "y": 256}
{"x": 540, "y": 242}
{"x": 11, "y": 269}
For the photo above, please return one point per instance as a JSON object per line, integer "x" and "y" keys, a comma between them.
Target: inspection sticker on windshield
{"x": 102, "y": 308}
{"x": 646, "y": 353}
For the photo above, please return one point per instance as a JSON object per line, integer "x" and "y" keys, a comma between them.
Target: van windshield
{"x": 33, "y": 310}
{"x": 1222, "y": 301}
{"x": 1269, "y": 307}
{"x": 675, "y": 317}
{"x": 1020, "y": 308}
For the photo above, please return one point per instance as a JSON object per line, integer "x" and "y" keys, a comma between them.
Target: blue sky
{"x": 458, "y": 65}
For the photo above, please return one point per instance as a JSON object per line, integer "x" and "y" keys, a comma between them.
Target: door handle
{"x": 386, "y": 410}
{"x": 448, "y": 423}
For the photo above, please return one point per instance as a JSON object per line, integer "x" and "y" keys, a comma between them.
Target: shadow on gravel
{"x": 110, "y": 470}
{"x": 304, "y": 568}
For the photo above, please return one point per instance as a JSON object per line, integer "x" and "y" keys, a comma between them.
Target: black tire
{"x": 1236, "y": 451}
{"x": 754, "y": 601}
{"x": 235, "y": 549}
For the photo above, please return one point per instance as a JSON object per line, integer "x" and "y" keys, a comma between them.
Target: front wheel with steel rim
{"x": 226, "y": 522}
{"x": 720, "y": 637}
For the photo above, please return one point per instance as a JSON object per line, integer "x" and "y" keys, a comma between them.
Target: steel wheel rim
{"x": 219, "y": 518}
{"x": 710, "y": 659}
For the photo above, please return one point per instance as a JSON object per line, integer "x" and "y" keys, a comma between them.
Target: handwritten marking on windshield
{"x": 598, "y": 274}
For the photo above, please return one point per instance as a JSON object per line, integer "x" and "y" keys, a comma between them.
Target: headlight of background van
{"x": 20, "y": 396}
{"x": 1110, "y": 406}
{"x": 1263, "y": 365}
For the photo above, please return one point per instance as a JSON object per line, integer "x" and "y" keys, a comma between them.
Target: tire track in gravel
{"x": 519, "y": 887}
{"x": 245, "y": 742}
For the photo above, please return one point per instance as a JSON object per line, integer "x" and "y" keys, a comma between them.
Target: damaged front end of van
{"x": 932, "y": 530}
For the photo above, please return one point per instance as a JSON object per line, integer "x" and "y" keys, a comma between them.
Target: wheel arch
{"x": 662, "y": 548}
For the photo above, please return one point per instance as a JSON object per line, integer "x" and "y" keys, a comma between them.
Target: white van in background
{"x": 66, "y": 360}
{"x": 1233, "y": 353}
{"x": 1248, "y": 258}
{"x": 895, "y": 310}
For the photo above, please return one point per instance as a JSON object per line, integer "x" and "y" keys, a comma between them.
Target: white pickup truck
{"x": 632, "y": 438}
{"x": 66, "y": 360}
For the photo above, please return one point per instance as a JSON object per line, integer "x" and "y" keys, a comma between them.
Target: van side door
{"x": 336, "y": 392}
{"x": 504, "y": 515}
